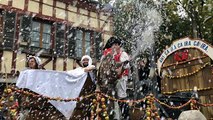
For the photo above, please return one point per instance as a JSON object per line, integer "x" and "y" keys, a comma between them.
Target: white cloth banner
{"x": 55, "y": 84}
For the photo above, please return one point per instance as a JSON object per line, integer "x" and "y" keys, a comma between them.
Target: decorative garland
{"x": 173, "y": 107}
{"x": 11, "y": 89}
{"x": 104, "y": 109}
{"x": 124, "y": 101}
{"x": 9, "y": 103}
{"x": 96, "y": 108}
{"x": 151, "y": 110}
{"x": 50, "y": 98}
{"x": 188, "y": 74}
{"x": 178, "y": 63}
{"x": 93, "y": 107}
{"x": 205, "y": 105}
{"x": 185, "y": 90}
{"x": 193, "y": 104}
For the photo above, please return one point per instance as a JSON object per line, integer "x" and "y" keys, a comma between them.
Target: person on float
{"x": 85, "y": 66}
{"x": 107, "y": 50}
{"x": 121, "y": 59}
{"x": 86, "y": 62}
{"x": 33, "y": 62}
{"x": 83, "y": 108}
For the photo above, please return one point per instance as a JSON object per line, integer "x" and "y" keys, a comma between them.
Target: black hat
{"x": 111, "y": 41}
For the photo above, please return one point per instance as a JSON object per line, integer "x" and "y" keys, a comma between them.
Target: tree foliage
{"x": 181, "y": 18}
{"x": 192, "y": 18}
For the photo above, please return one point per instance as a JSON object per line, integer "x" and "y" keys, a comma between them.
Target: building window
{"x": 46, "y": 36}
{"x": 60, "y": 32}
{"x": 87, "y": 43}
{"x": 83, "y": 43}
{"x": 79, "y": 43}
{"x": 9, "y": 29}
{"x": 40, "y": 36}
{"x": 35, "y": 34}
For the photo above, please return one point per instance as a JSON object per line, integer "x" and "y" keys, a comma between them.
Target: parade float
{"x": 185, "y": 66}
{"x": 186, "y": 73}
{"x": 186, "y": 70}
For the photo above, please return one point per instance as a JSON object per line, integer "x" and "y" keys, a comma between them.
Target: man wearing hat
{"x": 121, "y": 58}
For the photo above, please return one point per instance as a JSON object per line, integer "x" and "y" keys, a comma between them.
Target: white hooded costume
{"x": 88, "y": 57}
{"x": 89, "y": 65}
{"x": 37, "y": 60}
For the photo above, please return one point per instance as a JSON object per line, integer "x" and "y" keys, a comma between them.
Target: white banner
{"x": 55, "y": 84}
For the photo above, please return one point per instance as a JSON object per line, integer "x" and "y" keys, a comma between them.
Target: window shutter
{"x": 60, "y": 39}
{"x": 71, "y": 42}
{"x": 98, "y": 47}
{"x": 9, "y": 29}
{"x": 25, "y": 28}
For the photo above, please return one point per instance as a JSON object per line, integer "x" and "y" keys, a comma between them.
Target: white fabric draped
{"x": 55, "y": 84}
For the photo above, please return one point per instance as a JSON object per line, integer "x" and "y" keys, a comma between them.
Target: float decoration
{"x": 98, "y": 104}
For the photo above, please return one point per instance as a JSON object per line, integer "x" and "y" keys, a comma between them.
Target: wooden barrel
{"x": 193, "y": 74}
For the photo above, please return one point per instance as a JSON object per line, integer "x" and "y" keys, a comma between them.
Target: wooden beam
{"x": 54, "y": 6}
{"x": 46, "y": 62}
{"x": 54, "y": 63}
{"x": 10, "y": 3}
{"x": 65, "y": 48}
{"x": 1, "y": 54}
{"x": 40, "y": 6}
{"x": 53, "y": 32}
{"x": 26, "y": 5}
{"x": 79, "y": 62}
{"x": 16, "y": 44}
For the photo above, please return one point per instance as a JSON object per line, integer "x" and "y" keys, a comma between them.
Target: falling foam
{"x": 144, "y": 30}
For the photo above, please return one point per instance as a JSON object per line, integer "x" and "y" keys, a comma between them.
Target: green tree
{"x": 181, "y": 18}
{"x": 193, "y": 18}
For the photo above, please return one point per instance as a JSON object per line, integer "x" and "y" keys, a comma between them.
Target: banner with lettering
{"x": 185, "y": 43}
